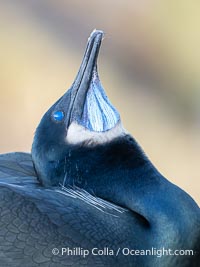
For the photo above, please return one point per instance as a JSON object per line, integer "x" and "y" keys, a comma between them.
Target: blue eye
{"x": 58, "y": 115}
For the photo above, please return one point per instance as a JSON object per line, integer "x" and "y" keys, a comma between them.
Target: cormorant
{"x": 87, "y": 195}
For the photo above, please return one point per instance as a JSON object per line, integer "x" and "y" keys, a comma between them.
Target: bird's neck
{"x": 119, "y": 172}
{"x": 122, "y": 174}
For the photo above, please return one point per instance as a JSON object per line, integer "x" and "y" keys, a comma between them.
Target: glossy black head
{"x": 83, "y": 117}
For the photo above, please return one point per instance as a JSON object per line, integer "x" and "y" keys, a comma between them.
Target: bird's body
{"x": 35, "y": 220}
{"x": 89, "y": 188}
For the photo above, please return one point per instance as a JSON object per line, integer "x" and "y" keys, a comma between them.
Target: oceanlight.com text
{"x": 106, "y": 251}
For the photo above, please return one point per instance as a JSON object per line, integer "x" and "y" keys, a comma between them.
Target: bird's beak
{"x": 86, "y": 101}
{"x": 83, "y": 79}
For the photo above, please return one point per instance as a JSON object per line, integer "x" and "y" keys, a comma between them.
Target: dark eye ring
{"x": 58, "y": 115}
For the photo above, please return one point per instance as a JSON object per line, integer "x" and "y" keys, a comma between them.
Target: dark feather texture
{"x": 34, "y": 220}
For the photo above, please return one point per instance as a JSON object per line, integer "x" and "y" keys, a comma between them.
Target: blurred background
{"x": 149, "y": 65}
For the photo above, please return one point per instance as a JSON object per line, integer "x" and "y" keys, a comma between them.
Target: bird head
{"x": 81, "y": 120}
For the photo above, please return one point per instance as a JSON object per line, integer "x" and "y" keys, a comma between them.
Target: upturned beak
{"x": 86, "y": 102}
{"x": 83, "y": 79}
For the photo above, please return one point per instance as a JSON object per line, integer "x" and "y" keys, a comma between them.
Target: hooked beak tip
{"x": 94, "y": 33}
